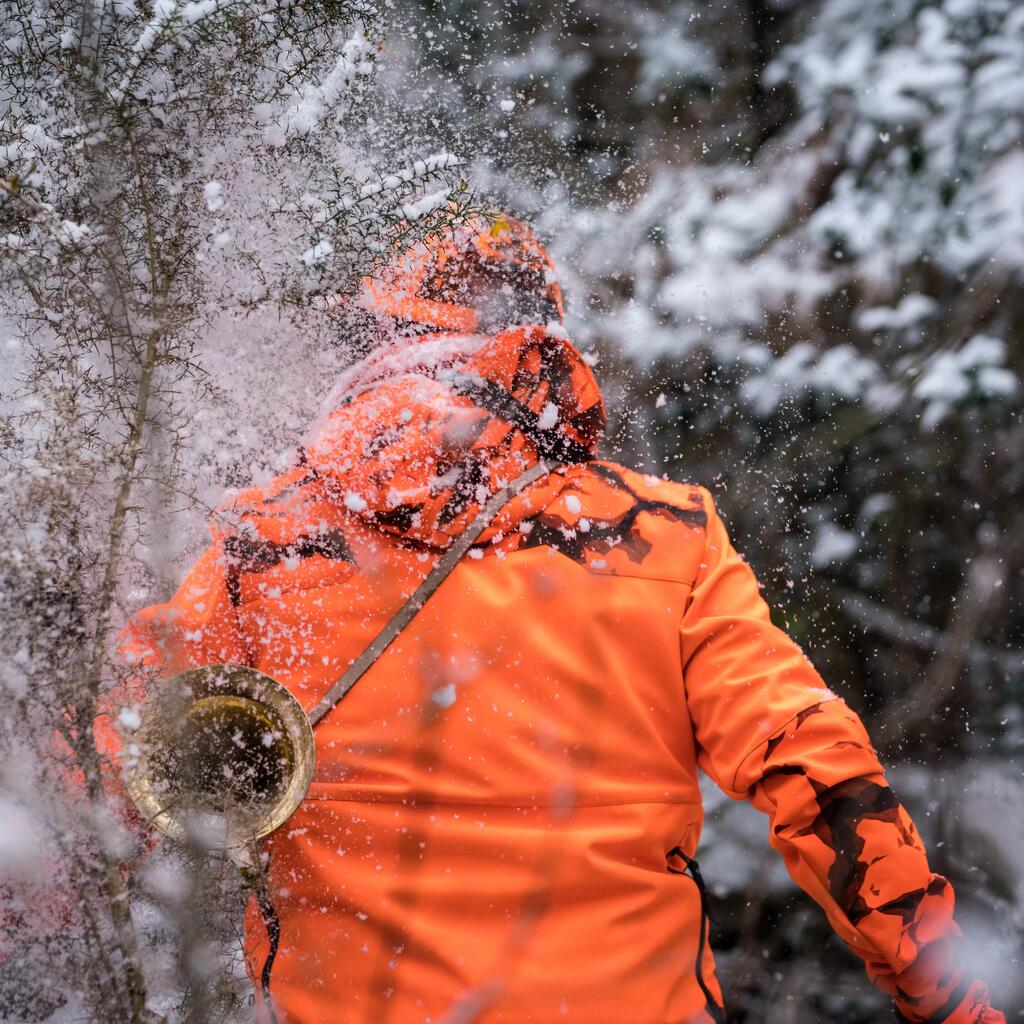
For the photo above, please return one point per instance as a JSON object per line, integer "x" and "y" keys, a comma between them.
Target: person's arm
{"x": 197, "y": 626}
{"x": 768, "y": 730}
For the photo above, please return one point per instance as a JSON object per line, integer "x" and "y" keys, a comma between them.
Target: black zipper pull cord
{"x": 255, "y": 877}
{"x": 693, "y": 869}
{"x": 272, "y": 923}
{"x": 715, "y": 1009}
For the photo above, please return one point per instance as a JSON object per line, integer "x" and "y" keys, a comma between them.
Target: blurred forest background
{"x": 792, "y": 236}
{"x": 792, "y": 240}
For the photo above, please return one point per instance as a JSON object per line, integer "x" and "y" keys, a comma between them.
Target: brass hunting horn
{"x": 223, "y": 756}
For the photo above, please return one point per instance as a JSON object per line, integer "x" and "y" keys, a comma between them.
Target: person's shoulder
{"x": 688, "y": 502}
{"x": 285, "y": 497}
{"x": 618, "y": 522}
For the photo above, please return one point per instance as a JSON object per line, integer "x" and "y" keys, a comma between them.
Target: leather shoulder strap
{"x": 434, "y": 579}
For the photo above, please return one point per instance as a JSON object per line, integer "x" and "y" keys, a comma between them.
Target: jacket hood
{"x": 422, "y": 432}
{"x": 486, "y": 275}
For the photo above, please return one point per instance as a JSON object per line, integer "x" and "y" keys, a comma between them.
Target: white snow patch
{"x": 548, "y": 418}
{"x": 832, "y": 544}
{"x": 129, "y": 719}
{"x": 213, "y": 193}
{"x": 444, "y": 696}
{"x": 20, "y": 843}
{"x": 951, "y": 377}
{"x": 911, "y": 310}
{"x": 317, "y": 255}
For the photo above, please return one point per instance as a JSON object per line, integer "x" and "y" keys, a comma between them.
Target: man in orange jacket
{"x": 505, "y": 806}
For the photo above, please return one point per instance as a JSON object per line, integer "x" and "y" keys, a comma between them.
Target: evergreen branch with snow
{"x": 143, "y": 146}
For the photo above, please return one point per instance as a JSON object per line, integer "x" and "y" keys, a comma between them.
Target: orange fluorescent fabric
{"x": 431, "y": 284}
{"x": 492, "y": 830}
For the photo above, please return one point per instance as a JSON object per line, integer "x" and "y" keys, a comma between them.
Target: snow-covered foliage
{"x": 177, "y": 180}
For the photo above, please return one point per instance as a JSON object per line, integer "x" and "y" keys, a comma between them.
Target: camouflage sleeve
{"x": 849, "y": 844}
{"x": 768, "y": 730}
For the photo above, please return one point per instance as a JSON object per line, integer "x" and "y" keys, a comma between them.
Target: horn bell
{"x": 223, "y": 756}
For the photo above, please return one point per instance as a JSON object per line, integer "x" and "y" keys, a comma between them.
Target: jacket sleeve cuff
{"x": 969, "y": 1004}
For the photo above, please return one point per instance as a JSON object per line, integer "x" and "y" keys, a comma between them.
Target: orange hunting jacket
{"x": 506, "y": 807}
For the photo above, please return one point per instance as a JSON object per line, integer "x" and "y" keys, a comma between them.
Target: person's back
{"x": 505, "y": 808}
